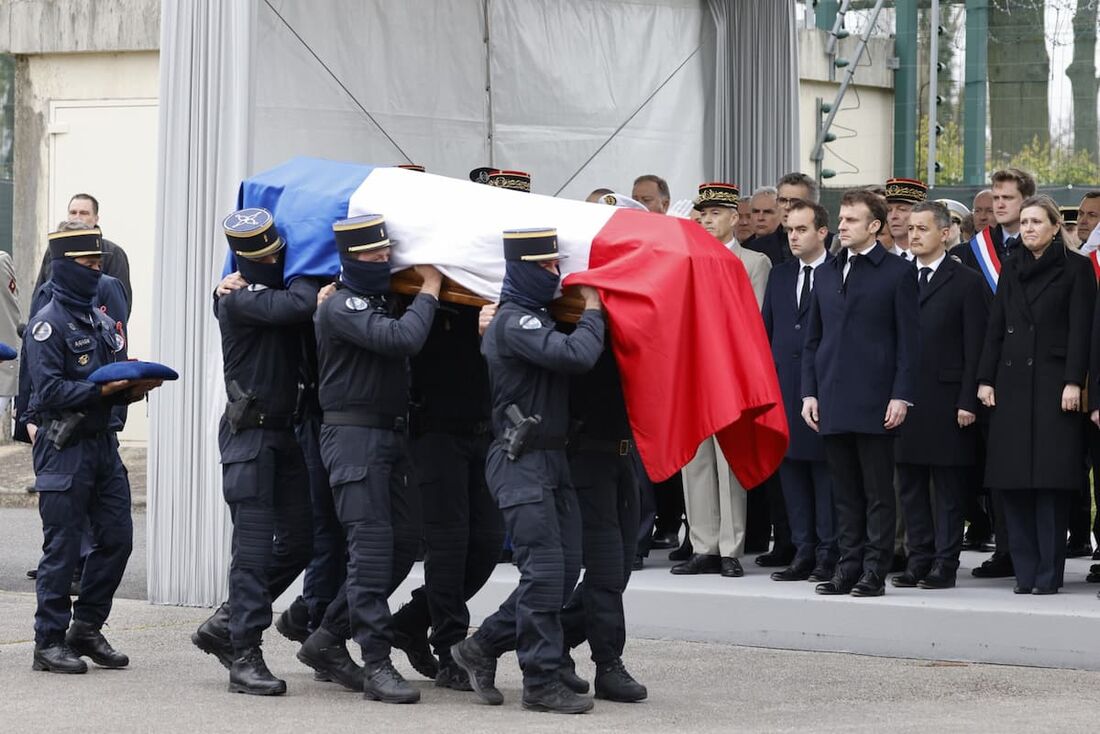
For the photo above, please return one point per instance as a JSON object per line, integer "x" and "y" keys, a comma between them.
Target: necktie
{"x": 1010, "y": 244}
{"x": 804, "y": 294}
{"x": 922, "y": 282}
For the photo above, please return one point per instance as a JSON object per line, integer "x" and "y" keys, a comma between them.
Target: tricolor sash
{"x": 988, "y": 260}
{"x": 1094, "y": 258}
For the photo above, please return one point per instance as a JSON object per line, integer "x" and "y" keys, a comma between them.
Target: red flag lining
{"x": 690, "y": 344}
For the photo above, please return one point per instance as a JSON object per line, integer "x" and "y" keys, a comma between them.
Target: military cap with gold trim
{"x": 412, "y": 167}
{"x": 251, "y": 233}
{"x": 717, "y": 194}
{"x": 514, "y": 180}
{"x": 1069, "y": 214}
{"x": 76, "y": 243}
{"x": 532, "y": 245}
{"x": 906, "y": 190}
{"x": 361, "y": 234}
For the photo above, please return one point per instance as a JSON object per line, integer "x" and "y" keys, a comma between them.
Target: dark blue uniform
{"x": 83, "y": 480}
{"x": 264, "y": 476}
{"x": 362, "y": 352}
{"x": 529, "y": 366}
{"x": 463, "y": 530}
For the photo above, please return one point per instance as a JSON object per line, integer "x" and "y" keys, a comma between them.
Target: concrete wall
{"x": 74, "y": 26}
{"x": 868, "y": 107}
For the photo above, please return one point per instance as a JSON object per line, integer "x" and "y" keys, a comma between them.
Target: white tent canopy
{"x": 581, "y": 94}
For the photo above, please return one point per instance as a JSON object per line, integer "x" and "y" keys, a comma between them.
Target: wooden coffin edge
{"x": 568, "y": 308}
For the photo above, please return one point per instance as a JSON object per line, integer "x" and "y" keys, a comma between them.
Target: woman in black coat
{"x": 1032, "y": 369}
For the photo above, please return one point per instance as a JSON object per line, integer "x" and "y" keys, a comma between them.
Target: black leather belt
{"x": 622, "y": 447}
{"x": 270, "y": 421}
{"x": 434, "y": 424}
{"x": 547, "y": 443}
{"x": 364, "y": 419}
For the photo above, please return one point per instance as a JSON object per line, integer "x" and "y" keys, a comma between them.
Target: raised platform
{"x": 979, "y": 621}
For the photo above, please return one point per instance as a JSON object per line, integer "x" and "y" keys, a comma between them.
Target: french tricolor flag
{"x": 686, "y": 330}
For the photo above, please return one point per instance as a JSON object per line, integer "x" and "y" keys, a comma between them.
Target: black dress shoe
{"x": 731, "y": 568}
{"x": 554, "y": 698}
{"x": 638, "y": 564}
{"x": 938, "y": 578}
{"x": 777, "y": 558}
{"x": 1095, "y": 554}
{"x": 481, "y": 667}
{"x": 1094, "y": 574}
{"x": 1043, "y": 592}
{"x": 32, "y": 573}
{"x": 414, "y": 643}
{"x": 87, "y": 641}
{"x": 1079, "y": 550}
{"x": 792, "y": 573}
{"x": 665, "y": 541}
{"x": 835, "y": 586}
{"x": 382, "y": 682}
{"x": 899, "y": 564}
{"x": 996, "y": 567}
{"x": 58, "y": 658}
{"x": 249, "y": 674}
{"x": 567, "y": 673}
{"x": 1021, "y": 589}
{"x": 293, "y": 623}
{"x": 698, "y": 564}
{"x": 869, "y": 585}
{"x": 907, "y": 580}
{"x": 821, "y": 574}
{"x": 614, "y": 683}
{"x": 683, "y": 553}
{"x": 212, "y": 636}
{"x": 327, "y": 654}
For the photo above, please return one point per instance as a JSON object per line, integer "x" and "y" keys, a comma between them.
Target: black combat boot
{"x": 481, "y": 667}
{"x": 57, "y": 657}
{"x": 382, "y": 682}
{"x": 414, "y": 643}
{"x": 86, "y": 640}
{"x": 212, "y": 636}
{"x": 327, "y": 654}
{"x": 614, "y": 683}
{"x": 554, "y": 698}
{"x": 568, "y": 675}
{"x": 293, "y": 623}
{"x": 249, "y": 674}
{"x": 452, "y": 676}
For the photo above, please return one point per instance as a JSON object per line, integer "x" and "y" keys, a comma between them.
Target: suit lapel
{"x": 944, "y": 273}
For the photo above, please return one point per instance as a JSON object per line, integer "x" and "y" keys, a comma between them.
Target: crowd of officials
{"x": 935, "y": 362}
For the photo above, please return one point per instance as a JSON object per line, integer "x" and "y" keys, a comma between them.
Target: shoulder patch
{"x": 42, "y": 331}
{"x": 527, "y": 321}
{"x": 256, "y": 287}
{"x": 355, "y": 303}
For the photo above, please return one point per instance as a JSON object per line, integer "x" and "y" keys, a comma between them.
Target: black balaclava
{"x": 365, "y": 278}
{"x": 266, "y": 274}
{"x": 528, "y": 284}
{"x": 74, "y": 285}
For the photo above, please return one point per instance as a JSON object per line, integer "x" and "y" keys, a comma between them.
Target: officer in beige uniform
{"x": 716, "y": 501}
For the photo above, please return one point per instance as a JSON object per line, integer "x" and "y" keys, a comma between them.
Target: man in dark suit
{"x": 858, "y": 378}
{"x": 806, "y": 484}
{"x": 1010, "y": 187}
{"x": 938, "y": 439}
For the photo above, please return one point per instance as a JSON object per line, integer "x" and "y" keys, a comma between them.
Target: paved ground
{"x": 17, "y": 475}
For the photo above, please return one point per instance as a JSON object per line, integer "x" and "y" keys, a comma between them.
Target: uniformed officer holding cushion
{"x": 528, "y": 473}
{"x": 362, "y": 355}
{"x": 78, "y": 473}
{"x": 264, "y": 478}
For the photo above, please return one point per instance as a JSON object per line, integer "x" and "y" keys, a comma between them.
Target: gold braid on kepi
{"x": 412, "y": 167}
{"x": 906, "y": 190}
{"x": 76, "y": 243}
{"x": 514, "y": 180}
{"x": 361, "y": 234}
{"x": 532, "y": 245}
{"x": 251, "y": 233}
{"x": 718, "y": 194}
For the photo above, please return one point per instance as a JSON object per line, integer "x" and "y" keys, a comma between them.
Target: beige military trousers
{"x": 716, "y": 503}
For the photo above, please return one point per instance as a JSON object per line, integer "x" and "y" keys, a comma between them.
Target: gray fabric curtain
{"x": 755, "y": 114}
{"x": 205, "y": 106}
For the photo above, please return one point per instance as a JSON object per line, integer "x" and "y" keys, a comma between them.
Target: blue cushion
{"x": 132, "y": 370}
{"x": 7, "y": 353}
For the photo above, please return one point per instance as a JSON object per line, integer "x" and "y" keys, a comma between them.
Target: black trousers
{"x": 1080, "y": 509}
{"x": 977, "y": 501}
{"x": 328, "y": 567}
{"x": 1037, "y": 520}
{"x": 463, "y": 531}
{"x": 669, "y": 496}
{"x": 607, "y": 492}
{"x": 935, "y": 529}
{"x": 81, "y": 486}
{"x": 808, "y": 489}
{"x": 542, "y": 518}
{"x": 862, "y": 466}
{"x": 266, "y": 484}
{"x": 1092, "y": 442}
{"x": 767, "y": 517}
{"x": 647, "y": 506}
{"x": 368, "y": 471}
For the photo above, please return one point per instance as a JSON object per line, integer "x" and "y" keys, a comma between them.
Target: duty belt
{"x": 547, "y": 443}
{"x": 602, "y": 446}
{"x": 270, "y": 421}
{"x": 364, "y": 419}
{"x": 433, "y": 424}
